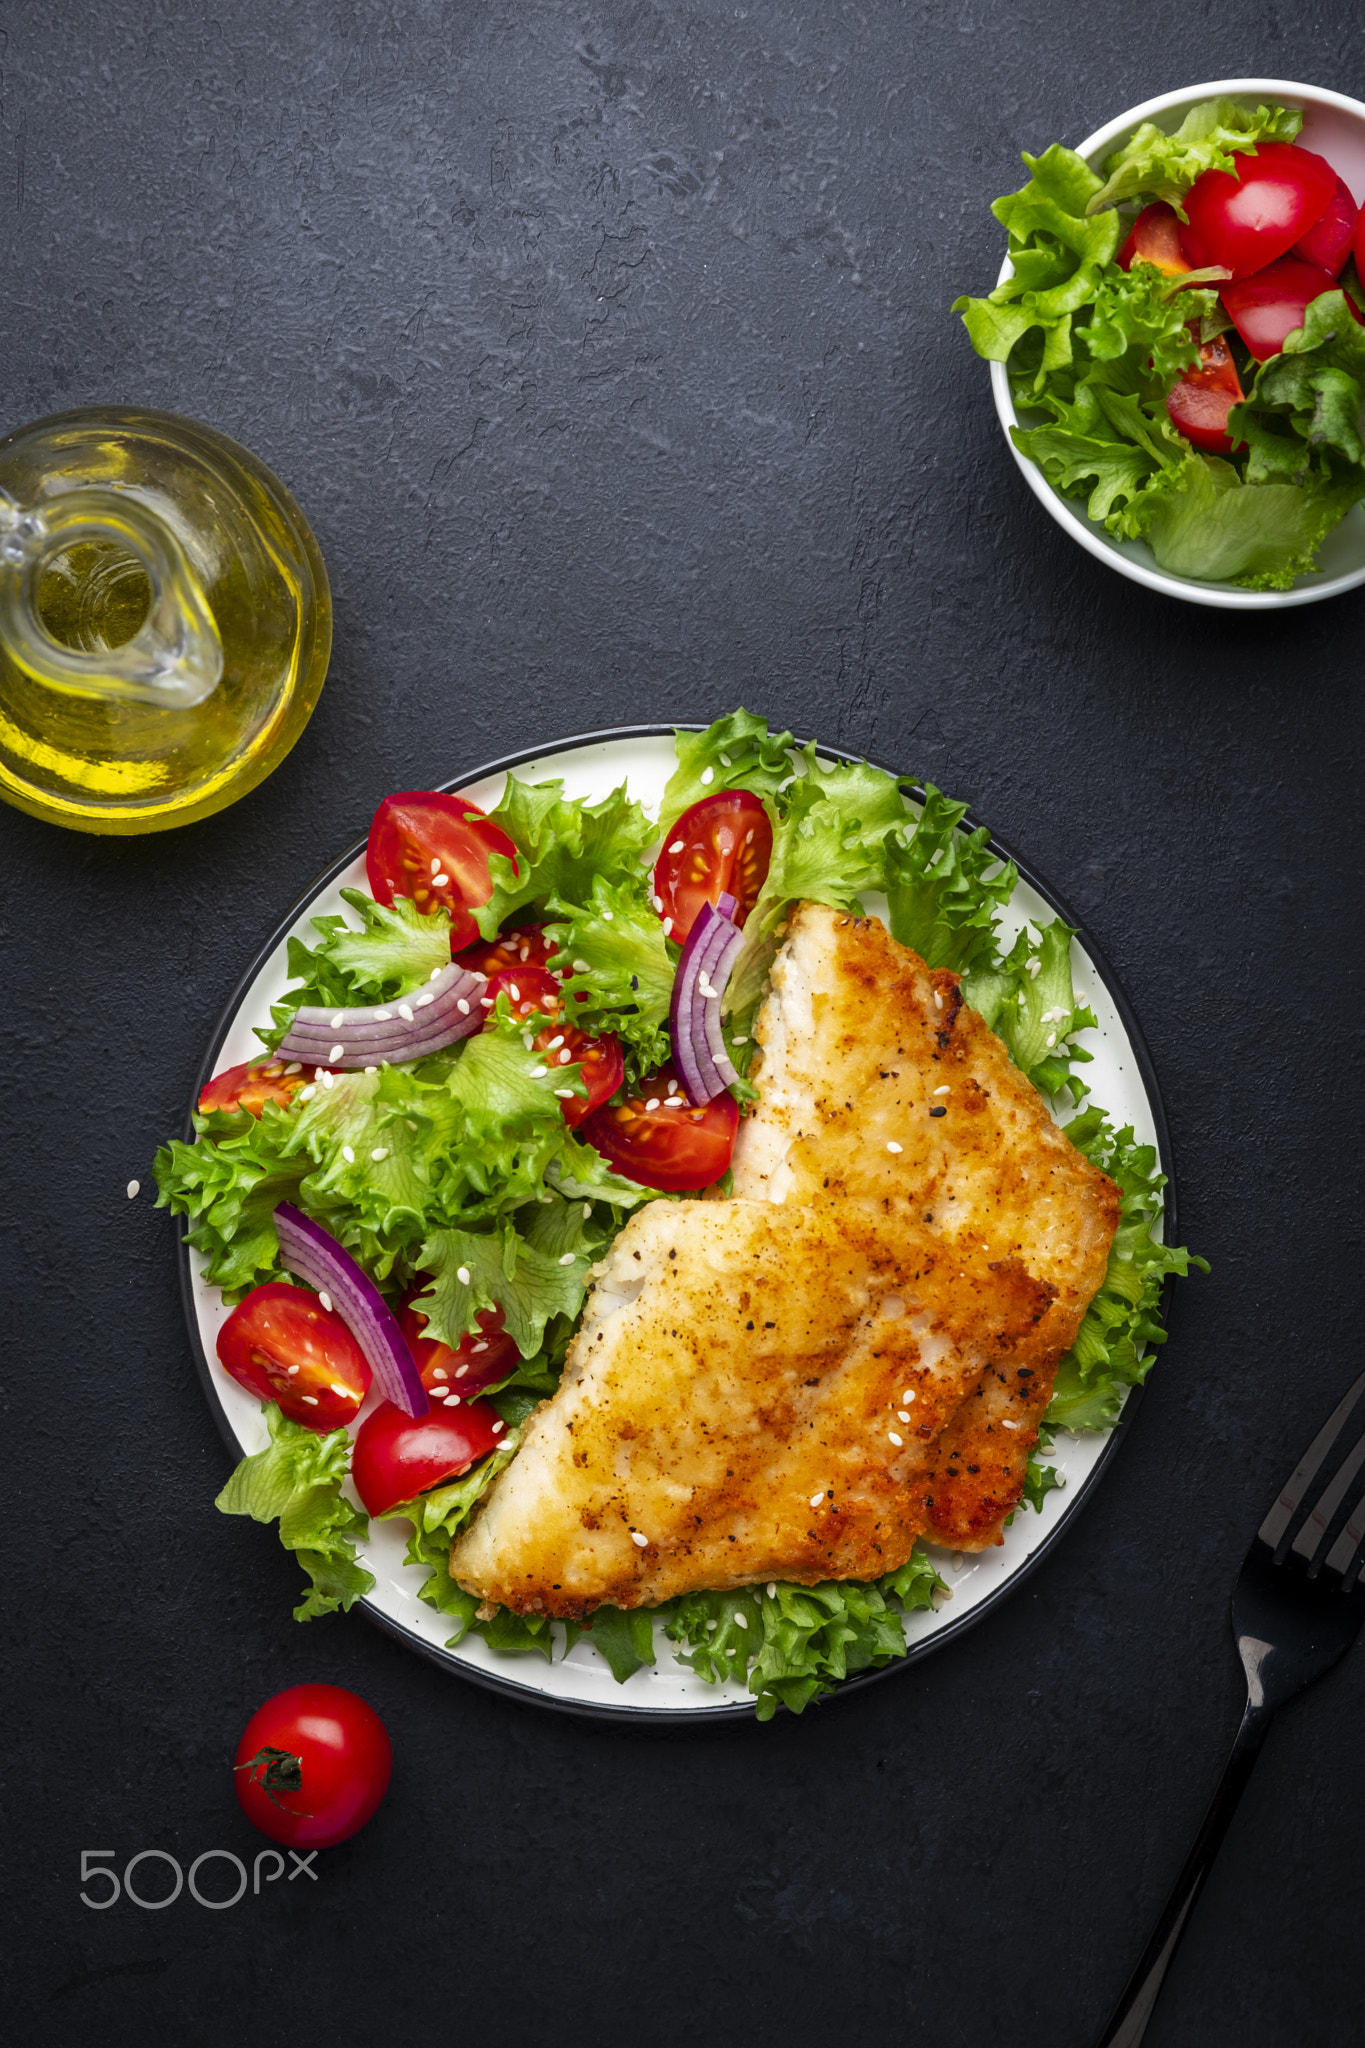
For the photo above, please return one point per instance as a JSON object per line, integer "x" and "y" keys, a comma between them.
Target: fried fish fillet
{"x": 755, "y": 1392}
{"x": 877, "y": 1080}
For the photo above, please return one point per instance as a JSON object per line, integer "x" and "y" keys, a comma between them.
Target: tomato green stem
{"x": 276, "y": 1770}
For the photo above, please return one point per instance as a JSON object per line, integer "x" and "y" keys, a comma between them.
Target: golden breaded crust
{"x": 734, "y": 1399}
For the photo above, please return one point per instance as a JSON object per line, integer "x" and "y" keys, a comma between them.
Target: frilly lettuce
{"x": 296, "y": 1481}
{"x": 1154, "y": 165}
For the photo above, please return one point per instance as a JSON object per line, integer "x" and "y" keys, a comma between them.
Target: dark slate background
{"x": 607, "y": 348}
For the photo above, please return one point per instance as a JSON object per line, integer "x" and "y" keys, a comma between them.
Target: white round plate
{"x": 1121, "y": 1080}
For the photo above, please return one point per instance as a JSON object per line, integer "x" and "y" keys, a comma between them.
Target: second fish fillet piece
{"x": 754, "y": 1393}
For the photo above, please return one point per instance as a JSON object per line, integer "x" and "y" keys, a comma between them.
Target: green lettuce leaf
{"x": 296, "y": 1481}
{"x": 625, "y": 1638}
{"x": 228, "y": 1185}
{"x": 611, "y": 952}
{"x": 1154, "y": 165}
{"x": 563, "y": 847}
{"x": 1059, "y": 254}
{"x": 1039, "y": 1481}
{"x": 532, "y": 1277}
{"x": 1031, "y": 1004}
{"x": 1111, "y": 1351}
{"x": 944, "y": 887}
{"x": 737, "y": 752}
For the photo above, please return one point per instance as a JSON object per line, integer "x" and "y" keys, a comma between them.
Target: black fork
{"x": 1296, "y": 1608}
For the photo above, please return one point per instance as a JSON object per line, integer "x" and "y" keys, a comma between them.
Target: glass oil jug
{"x": 165, "y": 620}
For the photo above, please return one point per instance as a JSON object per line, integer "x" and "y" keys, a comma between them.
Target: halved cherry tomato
{"x": 656, "y": 1138}
{"x": 1270, "y": 305}
{"x": 530, "y": 992}
{"x": 312, "y": 1766}
{"x": 1200, "y": 403}
{"x": 1155, "y": 238}
{"x": 525, "y": 945}
{"x": 481, "y": 1360}
{"x": 1246, "y": 217}
{"x": 720, "y": 847}
{"x": 1328, "y": 241}
{"x": 281, "y": 1344}
{"x": 396, "y": 1458}
{"x": 253, "y": 1084}
{"x": 435, "y": 849}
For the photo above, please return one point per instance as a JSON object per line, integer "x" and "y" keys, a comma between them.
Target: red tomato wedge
{"x": 435, "y": 849}
{"x": 721, "y": 846}
{"x": 1155, "y": 238}
{"x": 1328, "y": 241}
{"x": 656, "y": 1138}
{"x": 481, "y": 1360}
{"x": 396, "y": 1458}
{"x": 312, "y": 1766}
{"x": 531, "y": 992}
{"x": 253, "y": 1084}
{"x": 1245, "y": 219}
{"x": 1267, "y": 307}
{"x": 524, "y": 945}
{"x": 281, "y": 1344}
{"x": 1200, "y": 403}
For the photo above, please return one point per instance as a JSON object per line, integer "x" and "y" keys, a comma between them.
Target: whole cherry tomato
{"x": 253, "y": 1084}
{"x": 480, "y": 1360}
{"x": 1200, "y": 403}
{"x": 396, "y": 1458}
{"x": 312, "y": 1766}
{"x": 1267, "y": 307}
{"x": 281, "y": 1344}
{"x": 657, "y": 1138}
{"x": 435, "y": 849}
{"x": 722, "y": 846}
{"x": 1246, "y": 217}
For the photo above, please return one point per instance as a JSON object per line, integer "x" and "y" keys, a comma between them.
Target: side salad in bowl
{"x": 443, "y": 1204}
{"x": 1178, "y": 344}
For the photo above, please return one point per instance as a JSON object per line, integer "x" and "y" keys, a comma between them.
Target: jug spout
{"x": 174, "y": 658}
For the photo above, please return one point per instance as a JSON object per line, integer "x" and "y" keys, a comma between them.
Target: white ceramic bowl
{"x": 1334, "y": 126}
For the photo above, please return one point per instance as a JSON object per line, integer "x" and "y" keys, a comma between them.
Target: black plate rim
{"x": 951, "y": 1631}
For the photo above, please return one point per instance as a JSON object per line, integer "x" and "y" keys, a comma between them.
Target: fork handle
{"x": 1129, "y": 2021}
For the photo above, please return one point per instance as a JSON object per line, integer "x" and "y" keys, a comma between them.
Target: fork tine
{"x": 1349, "y": 1541}
{"x": 1319, "y": 1518}
{"x": 1291, "y": 1494}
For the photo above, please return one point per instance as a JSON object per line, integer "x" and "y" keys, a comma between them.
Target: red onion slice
{"x": 314, "y": 1254}
{"x": 446, "y": 1010}
{"x": 708, "y": 958}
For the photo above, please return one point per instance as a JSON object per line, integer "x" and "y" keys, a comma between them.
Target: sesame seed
{"x": 725, "y": 760}
{"x": 587, "y": 1211}
{"x": 436, "y": 973}
{"x": 567, "y": 1259}
{"x": 902, "y": 1415}
{"x": 772, "y": 1583}
{"x": 371, "y": 1070}
{"x": 348, "y": 1155}
{"x": 908, "y": 1396}
{"x": 652, "y": 1104}
{"x": 383, "y": 1016}
{"x": 294, "y": 1067}
{"x": 439, "y": 1373}
{"x": 892, "y": 1146}
{"x": 539, "y": 1073}
{"x": 440, "y": 881}
{"x": 480, "y": 1346}
{"x": 336, "y": 1052}
{"x": 336, "y": 1021}
{"x": 740, "y": 1038}
{"x": 658, "y": 903}
{"x": 668, "y": 926}
{"x": 461, "y": 1370}
{"x": 380, "y": 1152}
{"x": 944, "y": 1090}
{"x": 896, "y": 1440}
{"x": 420, "y": 1002}
{"x": 514, "y": 991}
{"x": 749, "y": 836}
{"x": 1005, "y": 1423}
{"x": 452, "y": 1400}
{"x": 462, "y": 1006}
{"x": 498, "y": 1428}
{"x": 641, "y": 1542}
{"x": 307, "y": 1094}
{"x": 708, "y": 775}
{"x": 565, "y": 1057}
{"x": 958, "y": 1560}
{"x": 485, "y": 1002}
{"x": 462, "y": 1275}
{"x": 581, "y": 967}
{"x": 1033, "y": 967}
{"x": 346, "y": 1393}
{"x": 565, "y": 1094}
{"x": 676, "y": 847}
{"x": 609, "y": 915}
{"x": 938, "y": 1000}
{"x": 436, "y": 865}
{"x": 310, "y": 1399}
{"x": 1051, "y": 1038}
{"x": 939, "y": 1110}
{"x": 816, "y": 1499}
{"x": 291, "y": 1370}
{"x": 328, "y": 1080}
{"x": 555, "y": 1043}
{"x": 134, "y": 1190}
{"x": 325, "y": 1299}
{"x": 675, "y": 1102}
{"x": 405, "y": 1013}
{"x": 741, "y": 1620}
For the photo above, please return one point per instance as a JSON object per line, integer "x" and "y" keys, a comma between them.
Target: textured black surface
{"x": 607, "y": 349}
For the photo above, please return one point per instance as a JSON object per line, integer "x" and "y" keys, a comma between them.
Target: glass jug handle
{"x": 174, "y": 659}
